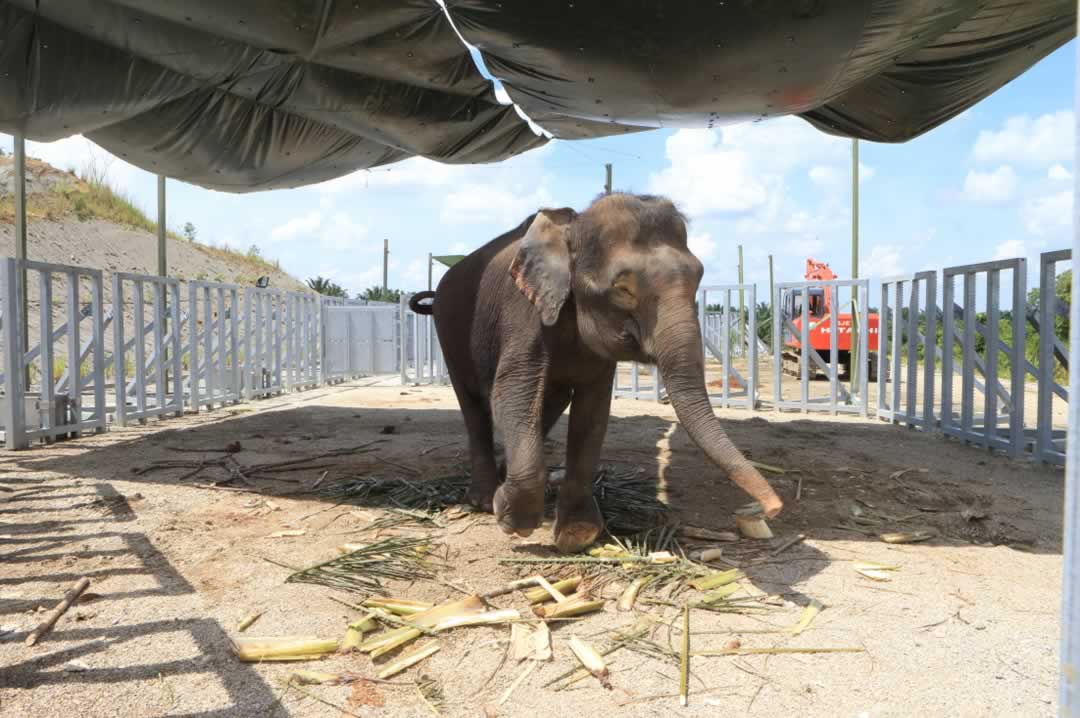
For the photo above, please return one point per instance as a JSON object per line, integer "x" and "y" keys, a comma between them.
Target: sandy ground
{"x": 968, "y": 625}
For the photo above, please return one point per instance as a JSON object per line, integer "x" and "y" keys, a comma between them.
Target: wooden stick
{"x": 788, "y": 544}
{"x": 772, "y": 651}
{"x": 684, "y": 659}
{"x": 69, "y": 598}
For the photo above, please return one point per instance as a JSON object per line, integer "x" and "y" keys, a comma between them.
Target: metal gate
{"x": 907, "y": 337}
{"x": 359, "y": 341}
{"x": 729, "y": 335}
{"x": 1001, "y": 424}
{"x": 851, "y": 397}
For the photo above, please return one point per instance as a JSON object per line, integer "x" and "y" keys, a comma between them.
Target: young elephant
{"x": 535, "y": 321}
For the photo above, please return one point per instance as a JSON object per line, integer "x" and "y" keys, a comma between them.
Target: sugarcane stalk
{"x": 289, "y": 648}
{"x": 408, "y": 660}
{"x": 539, "y": 595}
{"x": 684, "y": 659}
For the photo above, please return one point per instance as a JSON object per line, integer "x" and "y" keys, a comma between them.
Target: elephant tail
{"x": 417, "y": 307}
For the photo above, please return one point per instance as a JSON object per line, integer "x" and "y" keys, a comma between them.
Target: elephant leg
{"x": 481, "y": 453}
{"x": 555, "y": 403}
{"x": 577, "y": 517}
{"x": 517, "y": 408}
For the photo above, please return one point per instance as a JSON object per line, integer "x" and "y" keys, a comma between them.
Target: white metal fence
{"x": 162, "y": 346}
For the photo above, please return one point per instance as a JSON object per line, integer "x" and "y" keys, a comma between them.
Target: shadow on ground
{"x": 63, "y": 551}
{"x": 853, "y": 480}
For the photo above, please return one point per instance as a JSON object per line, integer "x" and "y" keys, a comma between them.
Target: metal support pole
{"x": 1069, "y": 698}
{"x": 742, "y": 309}
{"x": 430, "y": 266}
{"x": 20, "y": 241}
{"x": 856, "y": 369}
{"x": 607, "y": 182}
{"x": 386, "y": 265}
{"x": 162, "y": 265}
{"x": 772, "y": 294}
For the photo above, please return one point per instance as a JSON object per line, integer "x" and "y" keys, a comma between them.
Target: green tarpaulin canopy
{"x": 449, "y": 260}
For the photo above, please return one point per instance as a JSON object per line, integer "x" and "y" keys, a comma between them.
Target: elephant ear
{"x": 541, "y": 268}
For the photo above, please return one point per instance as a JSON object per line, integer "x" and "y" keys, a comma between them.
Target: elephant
{"x": 536, "y": 320}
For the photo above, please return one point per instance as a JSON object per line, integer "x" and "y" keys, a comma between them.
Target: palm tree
{"x": 378, "y": 294}
{"x": 327, "y": 287}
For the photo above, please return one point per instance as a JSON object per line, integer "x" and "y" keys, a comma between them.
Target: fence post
{"x": 403, "y": 338}
{"x": 14, "y": 376}
{"x": 177, "y": 357}
{"x": 1017, "y": 360}
{"x": 234, "y": 343}
{"x": 929, "y": 352}
{"x": 249, "y": 363}
{"x": 864, "y": 346}
{"x": 990, "y": 370}
{"x": 74, "y": 371}
{"x": 883, "y": 352}
{"x": 751, "y": 350}
{"x": 48, "y": 378}
{"x": 777, "y": 349}
{"x": 97, "y": 318}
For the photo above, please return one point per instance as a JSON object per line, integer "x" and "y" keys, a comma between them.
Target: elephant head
{"x": 625, "y": 266}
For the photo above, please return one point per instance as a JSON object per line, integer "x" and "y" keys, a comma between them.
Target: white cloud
{"x": 340, "y": 232}
{"x": 991, "y": 187}
{"x": 884, "y": 260}
{"x": 824, "y": 176}
{"x": 836, "y": 178}
{"x": 737, "y": 170}
{"x": 1057, "y": 173}
{"x": 701, "y": 245}
{"x": 297, "y": 227}
{"x": 1010, "y": 249}
{"x": 1025, "y": 140}
{"x": 459, "y": 248}
{"x": 80, "y": 155}
{"x": 490, "y": 203}
{"x": 337, "y": 231}
{"x": 1049, "y": 214}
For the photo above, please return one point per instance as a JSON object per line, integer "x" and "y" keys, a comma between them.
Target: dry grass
{"x": 88, "y": 195}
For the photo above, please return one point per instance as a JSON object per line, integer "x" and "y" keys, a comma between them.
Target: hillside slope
{"x": 73, "y": 221}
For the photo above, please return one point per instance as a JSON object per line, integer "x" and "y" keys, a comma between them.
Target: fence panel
{"x": 213, "y": 361}
{"x": 420, "y": 356}
{"x": 152, "y": 384}
{"x": 907, "y": 335}
{"x": 961, "y": 322}
{"x": 653, "y": 389}
{"x": 724, "y": 335}
{"x": 793, "y": 327}
{"x": 57, "y": 388}
{"x": 360, "y": 341}
{"x": 264, "y": 318}
{"x": 1053, "y": 355}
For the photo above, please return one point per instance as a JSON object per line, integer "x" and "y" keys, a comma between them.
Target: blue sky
{"x": 992, "y": 183}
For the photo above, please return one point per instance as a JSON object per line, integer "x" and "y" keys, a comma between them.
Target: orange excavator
{"x": 824, "y": 315}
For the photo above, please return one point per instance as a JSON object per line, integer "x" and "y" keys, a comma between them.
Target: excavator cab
{"x": 793, "y": 303}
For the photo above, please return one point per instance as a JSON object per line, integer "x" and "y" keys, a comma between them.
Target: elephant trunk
{"x": 680, "y": 360}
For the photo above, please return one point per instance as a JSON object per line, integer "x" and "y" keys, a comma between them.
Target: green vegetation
{"x": 326, "y": 287}
{"x": 378, "y": 294}
{"x": 88, "y": 195}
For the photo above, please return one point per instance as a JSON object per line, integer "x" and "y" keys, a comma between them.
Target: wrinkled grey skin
{"x": 535, "y": 321}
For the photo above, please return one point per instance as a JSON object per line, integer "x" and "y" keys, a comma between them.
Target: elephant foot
{"x": 519, "y": 509}
{"x": 578, "y": 522}
{"x": 481, "y": 496}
